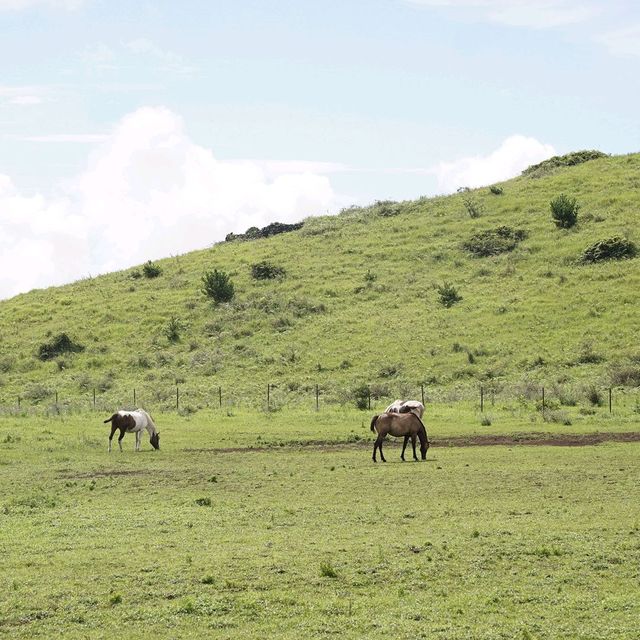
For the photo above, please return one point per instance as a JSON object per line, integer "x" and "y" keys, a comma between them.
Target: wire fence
{"x": 185, "y": 399}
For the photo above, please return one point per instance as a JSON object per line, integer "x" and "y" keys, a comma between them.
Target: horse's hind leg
{"x": 404, "y": 446}
{"x": 113, "y": 430}
{"x": 138, "y": 440}
{"x": 120, "y": 439}
{"x": 380, "y": 448}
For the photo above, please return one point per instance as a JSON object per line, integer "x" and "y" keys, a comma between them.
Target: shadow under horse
{"x": 400, "y": 425}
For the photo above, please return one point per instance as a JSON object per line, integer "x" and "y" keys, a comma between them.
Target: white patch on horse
{"x": 406, "y": 406}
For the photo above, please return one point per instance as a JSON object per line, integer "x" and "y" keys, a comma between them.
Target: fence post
{"x": 422, "y": 391}
{"x": 177, "y": 398}
{"x": 220, "y": 396}
{"x": 268, "y": 396}
{"x": 134, "y": 397}
{"x": 543, "y": 405}
{"x": 94, "y": 399}
{"x": 317, "y": 398}
{"x": 610, "y": 395}
{"x": 369, "y": 398}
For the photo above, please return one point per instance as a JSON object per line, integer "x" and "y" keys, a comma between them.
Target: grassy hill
{"x": 358, "y": 304}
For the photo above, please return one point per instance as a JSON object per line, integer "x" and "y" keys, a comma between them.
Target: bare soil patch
{"x": 533, "y": 438}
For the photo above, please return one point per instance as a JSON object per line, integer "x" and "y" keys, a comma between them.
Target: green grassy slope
{"x": 534, "y": 314}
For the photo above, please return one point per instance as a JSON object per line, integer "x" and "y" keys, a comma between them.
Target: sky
{"x": 132, "y": 131}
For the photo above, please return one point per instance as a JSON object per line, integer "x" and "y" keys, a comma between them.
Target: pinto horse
{"x": 133, "y": 421}
{"x": 401, "y": 425}
{"x": 406, "y": 406}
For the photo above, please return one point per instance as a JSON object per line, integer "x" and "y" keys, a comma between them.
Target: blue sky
{"x": 131, "y": 131}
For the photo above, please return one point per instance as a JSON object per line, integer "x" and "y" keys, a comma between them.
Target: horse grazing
{"x": 406, "y": 406}
{"x": 406, "y": 425}
{"x": 133, "y": 421}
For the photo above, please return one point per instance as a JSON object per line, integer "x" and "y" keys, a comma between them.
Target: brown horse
{"x": 406, "y": 425}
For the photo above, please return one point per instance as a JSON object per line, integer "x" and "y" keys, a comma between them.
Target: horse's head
{"x": 155, "y": 440}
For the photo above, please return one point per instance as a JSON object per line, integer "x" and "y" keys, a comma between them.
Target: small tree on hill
{"x": 564, "y": 211}
{"x": 217, "y": 285}
{"x": 448, "y": 295}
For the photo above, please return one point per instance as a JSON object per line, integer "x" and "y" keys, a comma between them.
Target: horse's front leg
{"x": 404, "y": 446}
{"x": 138, "y": 440}
{"x": 413, "y": 444}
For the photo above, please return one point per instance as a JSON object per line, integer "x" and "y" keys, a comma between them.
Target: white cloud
{"x": 169, "y": 60}
{"x": 19, "y": 5}
{"x": 83, "y": 138}
{"x": 514, "y": 154}
{"x": 24, "y": 96}
{"x": 622, "y": 42}
{"x": 535, "y": 14}
{"x": 148, "y": 192}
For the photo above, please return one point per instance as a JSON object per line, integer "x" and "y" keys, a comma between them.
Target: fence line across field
{"x": 362, "y": 398}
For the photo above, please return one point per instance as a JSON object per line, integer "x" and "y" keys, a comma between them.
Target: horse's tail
{"x": 373, "y": 422}
{"x": 110, "y": 419}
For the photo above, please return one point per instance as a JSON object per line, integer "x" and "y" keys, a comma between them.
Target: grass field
{"x": 209, "y": 538}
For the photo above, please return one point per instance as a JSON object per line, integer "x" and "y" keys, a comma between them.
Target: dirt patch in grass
{"x": 101, "y": 474}
{"x": 508, "y": 440}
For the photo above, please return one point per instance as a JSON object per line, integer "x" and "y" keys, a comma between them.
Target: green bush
{"x": 616, "y": 248}
{"x": 62, "y": 343}
{"x": 494, "y": 241}
{"x": 173, "y": 329}
{"x": 151, "y": 270}
{"x": 218, "y": 286}
{"x": 448, "y": 294}
{"x": 564, "y": 211}
{"x": 495, "y": 190}
{"x": 473, "y": 207}
{"x": 362, "y": 396}
{"x": 266, "y": 271}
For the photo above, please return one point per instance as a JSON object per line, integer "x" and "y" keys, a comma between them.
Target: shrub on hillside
{"x": 568, "y": 160}
{"x": 494, "y": 241}
{"x": 173, "y": 329}
{"x": 495, "y": 190}
{"x": 362, "y": 395}
{"x": 266, "y": 271}
{"x": 151, "y": 270}
{"x": 564, "y": 211}
{"x": 58, "y": 345}
{"x": 448, "y": 295}
{"x": 273, "y": 229}
{"x": 473, "y": 207}
{"x": 616, "y": 248}
{"x": 218, "y": 286}
{"x": 625, "y": 375}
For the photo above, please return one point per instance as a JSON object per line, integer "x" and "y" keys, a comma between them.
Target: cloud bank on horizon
{"x": 149, "y": 192}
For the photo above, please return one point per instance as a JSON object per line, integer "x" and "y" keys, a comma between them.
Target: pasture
{"x": 279, "y": 525}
